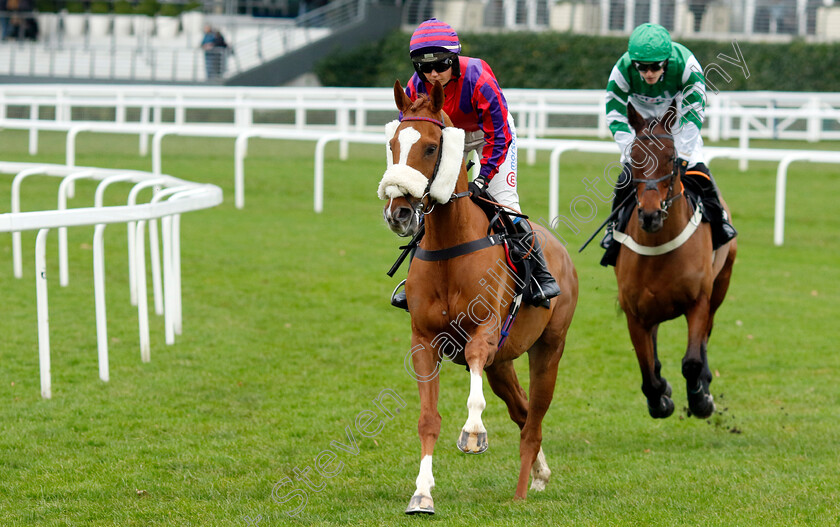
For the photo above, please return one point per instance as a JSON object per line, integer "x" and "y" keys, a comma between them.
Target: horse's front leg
{"x": 695, "y": 363}
{"x": 426, "y": 366}
{"x": 654, "y": 386}
{"x": 473, "y": 438}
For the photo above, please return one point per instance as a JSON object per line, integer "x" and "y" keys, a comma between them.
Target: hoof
{"x": 420, "y": 504}
{"x": 538, "y": 485}
{"x": 474, "y": 443}
{"x": 540, "y": 473}
{"x": 662, "y": 410}
{"x": 702, "y": 405}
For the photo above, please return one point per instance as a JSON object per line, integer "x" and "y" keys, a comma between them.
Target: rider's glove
{"x": 478, "y": 186}
{"x": 682, "y": 165}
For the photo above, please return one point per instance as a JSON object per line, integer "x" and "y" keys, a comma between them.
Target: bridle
{"x": 420, "y": 210}
{"x": 652, "y": 184}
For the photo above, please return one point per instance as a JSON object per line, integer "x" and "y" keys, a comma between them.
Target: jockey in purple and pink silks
{"x": 475, "y": 103}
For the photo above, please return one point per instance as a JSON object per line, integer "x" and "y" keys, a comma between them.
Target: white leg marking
{"x": 425, "y": 481}
{"x": 540, "y": 472}
{"x": 475, "y": 405}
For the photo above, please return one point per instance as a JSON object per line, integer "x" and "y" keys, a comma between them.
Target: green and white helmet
{"x": 649, "y": 43}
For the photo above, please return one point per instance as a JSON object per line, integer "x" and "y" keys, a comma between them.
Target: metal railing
{"x": 172, "y": 198}
{"x": 146, "y": 54}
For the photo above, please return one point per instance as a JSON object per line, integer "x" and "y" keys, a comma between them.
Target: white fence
{"x": 172, "y": 197}
{"x": 539, "y": 113}
{"x": 355, "y": 115}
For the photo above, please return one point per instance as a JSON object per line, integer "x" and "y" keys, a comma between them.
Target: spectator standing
{"x": 4, "y": 20}
{"x": 215, "y": 52}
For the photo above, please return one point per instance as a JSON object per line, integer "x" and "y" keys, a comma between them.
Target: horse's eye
{"x": 431, "y": 150}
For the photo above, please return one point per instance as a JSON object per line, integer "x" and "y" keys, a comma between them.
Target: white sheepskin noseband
{"x": 401, "y": 180}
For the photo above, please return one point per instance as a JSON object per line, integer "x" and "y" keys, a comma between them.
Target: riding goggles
{"x": 439, "y": 66}
{"x": 649, "y": 66}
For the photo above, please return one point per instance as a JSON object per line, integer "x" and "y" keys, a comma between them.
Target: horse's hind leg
{"x": 695, "y": 364}
{"x": 543, "y": 361}
{"x": 505, "y": 384}
{"x": 721, "y": 285}
{"x": 655, "y": 387}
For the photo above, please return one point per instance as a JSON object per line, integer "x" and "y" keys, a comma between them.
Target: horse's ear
{"x": 402, "y": 100}
{"x": 669, "y": 120}
{"x": 437, "y": 97}
{"x": 636, "y": 120}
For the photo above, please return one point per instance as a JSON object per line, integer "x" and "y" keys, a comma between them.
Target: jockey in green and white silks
{"x": 681, "y": 79}
{"x": 653, "y": 73}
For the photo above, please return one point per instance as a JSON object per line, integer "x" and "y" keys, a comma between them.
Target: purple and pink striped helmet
{"x": 434, "y": 36}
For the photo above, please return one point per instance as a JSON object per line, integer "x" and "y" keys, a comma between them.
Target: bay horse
{"x": 666, "y": 267}
{"x": 459, "y": 290}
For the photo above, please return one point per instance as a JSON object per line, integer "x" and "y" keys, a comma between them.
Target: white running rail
{"x": 172, "y": 198}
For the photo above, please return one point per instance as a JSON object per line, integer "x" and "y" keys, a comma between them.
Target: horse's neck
{"x": 456, "y": 222}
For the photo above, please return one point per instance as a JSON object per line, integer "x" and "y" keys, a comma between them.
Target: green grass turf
{"x": 288, "y": 337}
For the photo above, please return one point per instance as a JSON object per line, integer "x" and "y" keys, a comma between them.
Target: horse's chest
{"x": 659, "y": 301}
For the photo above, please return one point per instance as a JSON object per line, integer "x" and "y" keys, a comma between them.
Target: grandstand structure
{"x": 749, "y": 20}
{"x": 275, "y": 42}
{"x": 132, "y": 48}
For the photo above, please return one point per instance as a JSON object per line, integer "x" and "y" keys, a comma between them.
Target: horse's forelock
{"x": 417, "y": 105}
{"x": 424, "y": 100}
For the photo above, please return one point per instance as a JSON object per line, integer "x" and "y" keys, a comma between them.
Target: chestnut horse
{"x": 458, "y": 301}
{"x": 666, "y": 267}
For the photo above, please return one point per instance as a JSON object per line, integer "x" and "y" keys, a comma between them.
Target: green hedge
{"x": 565, "y": 61}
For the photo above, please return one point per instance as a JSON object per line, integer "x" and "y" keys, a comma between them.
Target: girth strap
{"x": 459, "y": 250}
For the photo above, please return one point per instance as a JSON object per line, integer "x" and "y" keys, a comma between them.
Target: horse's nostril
{"x": 403, "y": 214}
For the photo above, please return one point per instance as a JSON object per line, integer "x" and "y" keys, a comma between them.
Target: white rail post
{"x": 781, "y": 188}
{"x": 814, "y": 119}
{"x": 142, "y": 306}
{"x": 240, "y": 150}
{"x": 320, "y": 146}
{"x": 144, "y": 136}
{"x": 176, "y": 273}
{"x": 744, "y": 140}
{"x": 63, "y": 192}
{"x": 154, "y": 252}
{"x": 70, "y": 155}
{"x": 99, "y": 301}
{"x": 132, "y": 234}
{"x": 157, "y": 147}
{"x": 532, "y": 134}
{"x": 99, "y": 278}
{"x": 43, "y": 312}
{"x": 168, "y": 282}
{"x": 554, "y": 181}
{"x": 33, "y": 130}
{"x": 343, "y": 121}
{"x": 17, "y": 259}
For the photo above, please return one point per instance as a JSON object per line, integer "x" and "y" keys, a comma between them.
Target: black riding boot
{"x": 713, "y": 211}
{"x": 398, "y": 298}
{"x": 543, "y": 287}
{"x": 622, "y": 190}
